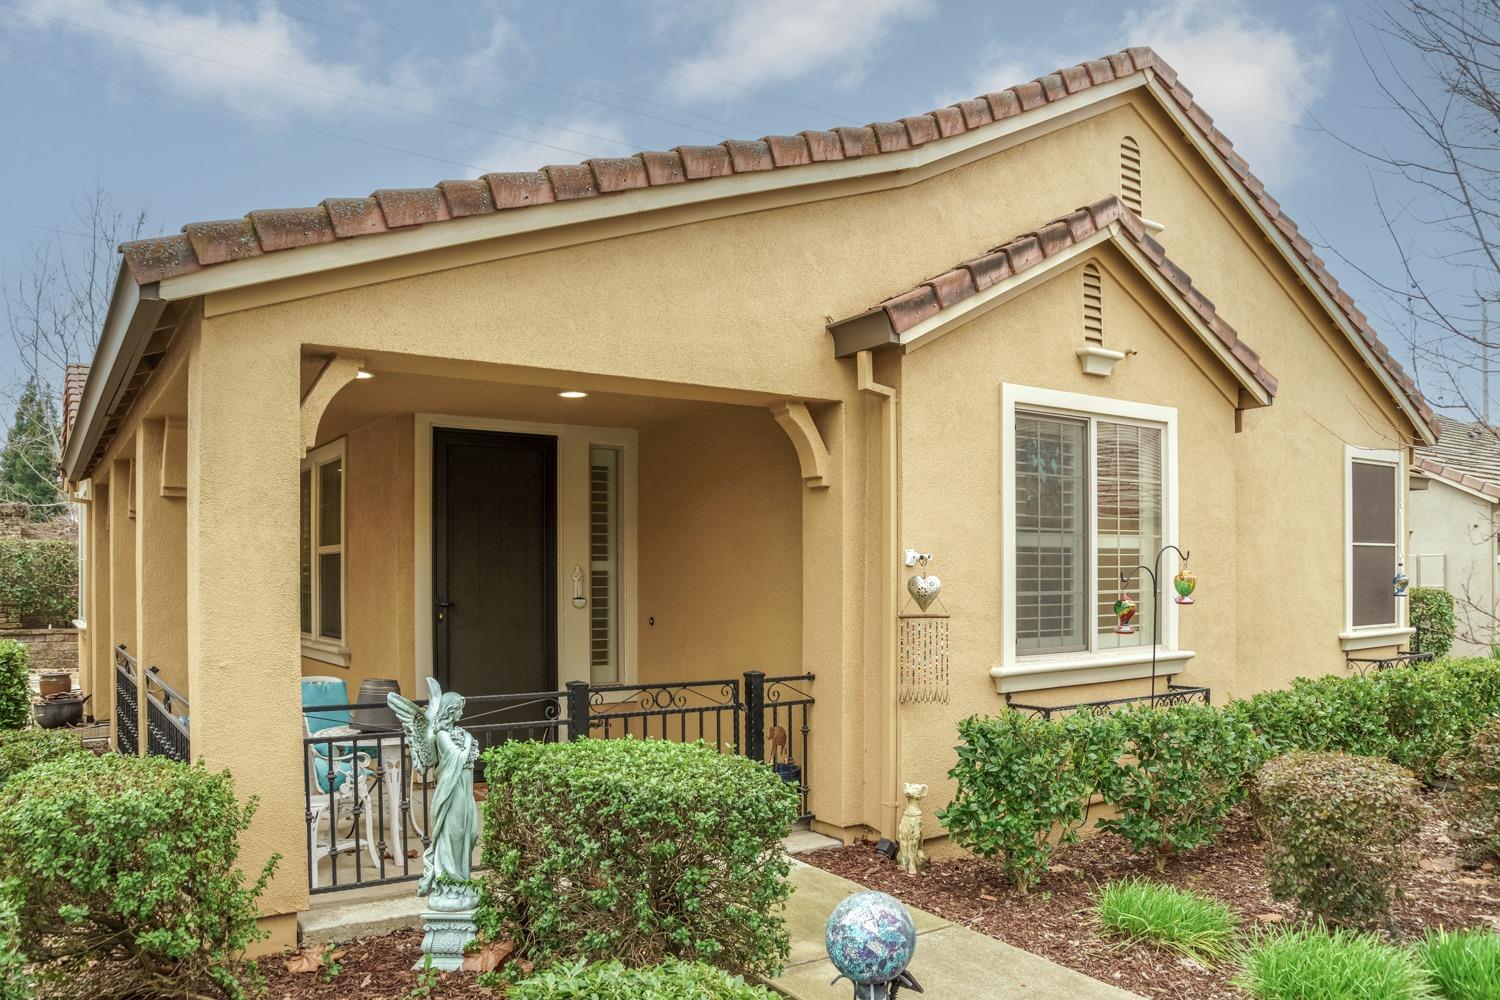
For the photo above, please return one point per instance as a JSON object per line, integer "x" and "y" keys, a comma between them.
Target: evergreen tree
{"x": 29, "y": 462}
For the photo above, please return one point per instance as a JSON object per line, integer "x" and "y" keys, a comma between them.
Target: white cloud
{"x": 1255, "y": 78}
{"x": 517, "y": 154}
{"x": 761, "y": 42}
{"x": 264, "y": 41}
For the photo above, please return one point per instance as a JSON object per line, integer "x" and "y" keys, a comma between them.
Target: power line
{"x": 479, "y": 67}
{"x": 335, "y": 93}
{"x": 369, "y": 82}
{"x": 249, "y": 114}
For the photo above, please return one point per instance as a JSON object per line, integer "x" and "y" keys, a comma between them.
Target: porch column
{"x": 161, "y": 562}
{"x": 121, "y": 625}
{"x": 243, "y": 647}
{"x": 98, "y": 582}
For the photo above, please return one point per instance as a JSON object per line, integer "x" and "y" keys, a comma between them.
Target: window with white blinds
{"x": 1090, "y": 505}
{"x": 604, "y": 564}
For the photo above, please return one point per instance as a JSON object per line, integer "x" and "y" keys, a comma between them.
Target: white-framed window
{"x": 322, "y": 553}
{"x": 604, "y": 563}
{"x": 1374, "y": 530}
{"x": 1088, "y": 492}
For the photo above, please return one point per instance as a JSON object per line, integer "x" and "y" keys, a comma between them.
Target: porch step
{"x": 802, "y": 841}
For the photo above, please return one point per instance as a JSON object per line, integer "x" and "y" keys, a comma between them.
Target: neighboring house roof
{"x": 910, "y": 309}
{"x": 1466, "y": 456}
{"x": 73, "y": 382}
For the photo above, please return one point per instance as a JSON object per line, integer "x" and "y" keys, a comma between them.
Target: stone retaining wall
{"x": 51, "y": 648}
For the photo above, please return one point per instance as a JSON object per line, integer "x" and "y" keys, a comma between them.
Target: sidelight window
{"x": 604, "y": 564}
{"x": 322, "y": 544}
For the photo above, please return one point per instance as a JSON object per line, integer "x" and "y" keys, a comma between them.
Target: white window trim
{"x": 1372, "y": 636}
{"x": 573, "y": 444}
{"x": 1029, "y": 673}
{"x": 315, "y": 646}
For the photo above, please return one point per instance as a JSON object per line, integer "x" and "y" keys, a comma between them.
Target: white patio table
{"x": 391, "y": 761}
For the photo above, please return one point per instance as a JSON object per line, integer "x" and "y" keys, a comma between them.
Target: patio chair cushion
{"x": 325, "y": 691}
{"x": 341, "y": 772}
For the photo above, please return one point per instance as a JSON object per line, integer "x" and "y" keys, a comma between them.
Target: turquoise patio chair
{"x": 339, "y": 777}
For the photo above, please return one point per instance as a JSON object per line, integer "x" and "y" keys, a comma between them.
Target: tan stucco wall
{"x": 1459, "y": 527}
{"x": 720, "y": 549}
{"x": 738, "y": 305}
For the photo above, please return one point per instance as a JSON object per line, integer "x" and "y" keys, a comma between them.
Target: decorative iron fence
{"x": 127, "y": 737}
{"x": 367, "y": 804}
{"x": 166, "y": 720}
{"x": 1176, "y": 694}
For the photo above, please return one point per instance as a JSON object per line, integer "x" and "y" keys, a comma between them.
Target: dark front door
{"x": 494, "y": 565}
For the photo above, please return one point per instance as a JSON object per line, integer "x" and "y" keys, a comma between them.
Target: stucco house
{"x": 673, "y": 417}
{"x": 1454, "y": 518}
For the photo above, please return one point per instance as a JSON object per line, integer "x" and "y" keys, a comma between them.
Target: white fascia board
{"x": 1278, "y": 239}
{"x": 914, "y": 164}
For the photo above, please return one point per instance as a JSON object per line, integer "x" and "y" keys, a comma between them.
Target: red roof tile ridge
{"x": 1028, "y": 250}
{"x": 206, "y": 244}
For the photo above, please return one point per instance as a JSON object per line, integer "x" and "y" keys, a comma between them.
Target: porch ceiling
{"x": 365, "y": 400}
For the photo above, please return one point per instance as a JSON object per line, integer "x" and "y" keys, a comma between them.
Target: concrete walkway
{"x": 951, "y": 962}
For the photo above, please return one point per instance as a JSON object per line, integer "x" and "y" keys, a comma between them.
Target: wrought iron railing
{"x": 167, "y": 714}
{"x": 127, "y": 738}
{"x": 1175, "y": 694}
{"x": 367, "y": 805}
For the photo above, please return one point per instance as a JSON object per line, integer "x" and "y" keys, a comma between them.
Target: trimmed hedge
{"x": 1337, "y": 829}
{"x": 1474, "y": 813}
{"x": 636, "y": 850}
{"x": 122, "y": 873}
{"x": 671, "y": 980}
{"x": 39, "y": 580}
{"x": 15, "y": 685}
{"x": 21, "y": 749}
{"x": 1024, "y": 785}
{"x": 1432, "y": 612}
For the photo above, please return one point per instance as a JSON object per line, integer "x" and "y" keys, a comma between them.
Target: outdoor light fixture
{"x": 364, "y": 374}
{"x": 572, "y": 394}
{"x": 1399, "y": 581}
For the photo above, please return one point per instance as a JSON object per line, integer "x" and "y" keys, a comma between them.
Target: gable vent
{"x": 1130, "y": 174}
{"x": 1093, "y": 303}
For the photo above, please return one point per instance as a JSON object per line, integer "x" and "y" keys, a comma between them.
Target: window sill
{"x": 325, "y": 651}
{"x": 1375, "y": 636}
{"x": 1071, "y": 669}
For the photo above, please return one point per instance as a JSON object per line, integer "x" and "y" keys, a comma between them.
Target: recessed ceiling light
{"x": 364, "y": 374}
{"x": 572, "y": 394}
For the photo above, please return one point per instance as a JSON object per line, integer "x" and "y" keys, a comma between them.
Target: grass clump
{"x": 1316, "y": 964}
{"x": 1138, "y": 910}
{"x": 1462, "y": 965}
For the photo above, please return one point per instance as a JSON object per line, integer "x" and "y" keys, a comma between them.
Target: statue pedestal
{"x": 449, "y": 922}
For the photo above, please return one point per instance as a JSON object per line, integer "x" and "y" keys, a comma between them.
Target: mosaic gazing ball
{"x": 870, "y": 938}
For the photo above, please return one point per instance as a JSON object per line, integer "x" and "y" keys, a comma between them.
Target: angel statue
{"x": 438, "y": 742}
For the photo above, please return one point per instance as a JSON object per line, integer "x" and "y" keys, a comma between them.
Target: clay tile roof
{"x": 1021, "y": 253}
{"x": 213, "y": 243}
{"x": 1468, "y": 454}
{"x": 74, "y": 379}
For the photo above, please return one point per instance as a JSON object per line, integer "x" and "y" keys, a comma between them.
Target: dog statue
{"x": 911, "y": 857}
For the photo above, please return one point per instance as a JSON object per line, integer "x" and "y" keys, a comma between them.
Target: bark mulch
{"x": 378, "y": 968}
{"x": 1055, "y": 921}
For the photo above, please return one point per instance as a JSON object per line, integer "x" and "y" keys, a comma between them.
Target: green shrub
{"x": 122, "y": 870}
{"x": 39, "y": 580}
{"x": 1180, "y": 771}
{"x": 24, "y": 748}
{"x": 1337, "y": 828}
{"x": 1314, "y": 964}
{"x": 1334, "y": 714}
{"x": 1462, "y": 965}
{"x": 1432, "y": 612}
{"x": 637, "y": 850}
{"x": 1024, "y": 786}
{"x": 1138, "y": 910}
{"x": 1474, "y": 812}
{"x": 15, "y": 680}
{"x": 671, "y": 980}
{"x": 15, "y": 981}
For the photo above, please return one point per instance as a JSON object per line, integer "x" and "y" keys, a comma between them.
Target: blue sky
{"x": 284, "y": 102}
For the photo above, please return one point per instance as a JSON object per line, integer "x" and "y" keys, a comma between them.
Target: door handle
{"x": 442, "y": 609}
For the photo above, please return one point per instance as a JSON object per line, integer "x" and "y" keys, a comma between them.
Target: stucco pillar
{"x": 243, "y": 646}
{"x": 121, "y": 627}
{"x": 161, "y": 563}
{"x": 100, "y": 653}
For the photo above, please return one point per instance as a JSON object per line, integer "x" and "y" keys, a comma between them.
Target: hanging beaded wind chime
{"x": 922, "y": 638}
